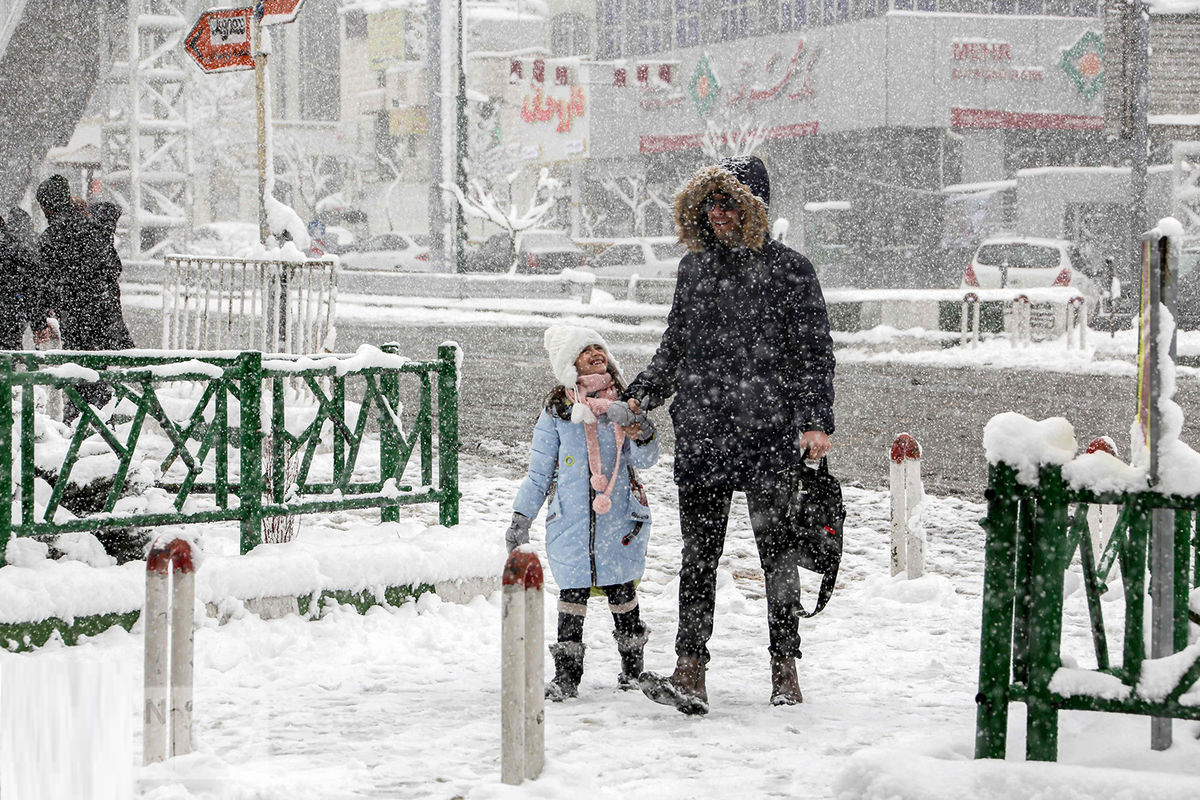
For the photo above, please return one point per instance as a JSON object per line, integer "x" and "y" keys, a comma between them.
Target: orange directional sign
{"x": 220, "y": 42}
{"x": 274, "y": 12}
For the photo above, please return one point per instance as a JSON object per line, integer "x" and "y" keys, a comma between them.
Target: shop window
{"x": 902, "y": 5}
{"x": 610, "y": 33}
{"x": 570, "y": 35}
{"x": 793, "y": 15}
{"x": 1085, "y": 8}
{"x": 651, "y": 33}
{"x": 1059, "y": 8}
{"x": 1004, "y": 6}
{"x": 734, "y": 19}
{"x": 687, "y": 23}
{"x": 926, "y": 5}
{"x": 1030, "y": 6}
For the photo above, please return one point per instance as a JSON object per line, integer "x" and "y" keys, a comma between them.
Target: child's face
{"x": 592, "y": 361}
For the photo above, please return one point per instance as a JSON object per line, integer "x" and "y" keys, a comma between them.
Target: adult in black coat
{"x": 82, "y": 282}
{"x": 21, "y": 280}
{"x": 83, "y": 273}
{"x": 748, "y": 357}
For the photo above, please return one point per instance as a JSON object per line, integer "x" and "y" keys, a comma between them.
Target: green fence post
{"x": 995, "y": 641}
{"x": 1045, "y": 623}
{"x": 6, "y": 462}
{"x": 448, "y": 434}
{"x": 1134, "y": 565}
{"x": 27, "y": 473}
{"x": 1183, "y": 525}
{"x": 389, "y": 445}
{"x": 1024, "y": 590}
{"x": 250, "y": 488}
{"x": 278, "y": 467}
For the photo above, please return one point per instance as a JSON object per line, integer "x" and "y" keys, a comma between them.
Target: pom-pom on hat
{"x": 564, "y": 343}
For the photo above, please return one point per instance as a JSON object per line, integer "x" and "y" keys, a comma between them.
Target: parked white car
{"x": 407, "y": 252}
{"x": 1023, "y": 262}
{"x": 650, "y": 257}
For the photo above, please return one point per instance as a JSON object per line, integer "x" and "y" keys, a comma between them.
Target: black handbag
{"x": 815, "y": 519}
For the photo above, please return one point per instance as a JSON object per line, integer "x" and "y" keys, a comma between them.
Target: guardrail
{"x": 1032, "y": 537}
{"x": 193, "y": 425}
{"x": 272, "y": 305}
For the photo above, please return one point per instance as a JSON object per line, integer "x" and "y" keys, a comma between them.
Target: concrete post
{"x": 908, "y": 532}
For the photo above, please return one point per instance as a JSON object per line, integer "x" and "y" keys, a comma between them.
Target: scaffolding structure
{"x": 147, "y": 135}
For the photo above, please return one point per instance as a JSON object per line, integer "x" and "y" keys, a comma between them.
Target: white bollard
{"x": 1022, "y": 317}
{"x": 1102, "y": 519}
{"x": 908, "y": 493}
{"x": 522, "y": 685}
{"x": 170, "y": 651}
{"x": 1076, "y": 324}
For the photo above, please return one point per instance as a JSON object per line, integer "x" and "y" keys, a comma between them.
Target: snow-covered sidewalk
{"x": 404, "y": 702}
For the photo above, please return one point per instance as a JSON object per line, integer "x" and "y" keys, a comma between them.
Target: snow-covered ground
{"x": 404, "y": 702}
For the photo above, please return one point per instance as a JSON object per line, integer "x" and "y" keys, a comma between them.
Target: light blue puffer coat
{"x": 585, "y": 548}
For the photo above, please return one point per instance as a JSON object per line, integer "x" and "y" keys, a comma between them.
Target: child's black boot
{"x": 568, "y": 671}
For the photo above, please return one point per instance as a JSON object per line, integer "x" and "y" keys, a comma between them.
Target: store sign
{"x": 1084, "y": 64}
{"x": 989, "y": 60}
{"x": 552, "y": 119}
{"x": 385, "y": 38}
{"x": 777, "y": 79}
{"x": 704, "y": 86}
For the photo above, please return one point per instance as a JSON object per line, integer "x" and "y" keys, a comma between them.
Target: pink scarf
{"x": 606, "y": 394}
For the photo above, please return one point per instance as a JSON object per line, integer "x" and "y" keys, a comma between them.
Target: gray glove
{"x": 648, "y": 430}
{"x": 518, "y": 531}
{"x": 621, "y": 414}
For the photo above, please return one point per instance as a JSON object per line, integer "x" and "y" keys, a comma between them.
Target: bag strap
{"x": 826, "y": 592}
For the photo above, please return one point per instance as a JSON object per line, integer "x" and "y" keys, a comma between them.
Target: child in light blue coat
{"x": 587, "y": 447}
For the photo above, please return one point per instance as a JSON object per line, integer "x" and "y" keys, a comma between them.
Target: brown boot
{"x": 785, "y": 688}
{"x": 683, "y": 689}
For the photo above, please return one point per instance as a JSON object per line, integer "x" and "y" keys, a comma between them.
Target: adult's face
{"x": 725, "y": 217}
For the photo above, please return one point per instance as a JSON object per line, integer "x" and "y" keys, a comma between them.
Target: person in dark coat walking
{"x": 20, "y": 295}
{"x": 83, "y": 273}
{"x": 748, "y": 357}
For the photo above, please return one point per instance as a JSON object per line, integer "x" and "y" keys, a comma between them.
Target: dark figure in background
{"x": 21, "y": 282}
{"x": 82, "y": 281}
{"x": 748, "y": 357}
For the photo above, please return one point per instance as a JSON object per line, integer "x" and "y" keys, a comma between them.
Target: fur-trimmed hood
{"x": 691, "y": 221}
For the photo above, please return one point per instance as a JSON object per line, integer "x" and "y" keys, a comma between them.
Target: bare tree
{"x": 481, "y": 202}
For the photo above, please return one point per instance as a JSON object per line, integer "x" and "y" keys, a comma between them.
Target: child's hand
{"x": 518, "y": 531}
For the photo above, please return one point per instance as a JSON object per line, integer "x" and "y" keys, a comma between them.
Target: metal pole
{"x": 1162, "y": 536}
{"x": 260, "y": 93}
{"x": 1139, "y": 34}
{"x": 133, "y": 58}
{"x": 460, "y": 152}
{"x": 433, "y": 70}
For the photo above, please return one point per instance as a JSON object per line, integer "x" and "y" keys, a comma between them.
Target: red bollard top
{"x": 1102, "y": 443}
{"x": 523, "y": 568}
{"x": 1021, "y": 298}
{"x": 970, "y": 297}
{"x": 905, "y": 448}
{"x": 175, "y": 554}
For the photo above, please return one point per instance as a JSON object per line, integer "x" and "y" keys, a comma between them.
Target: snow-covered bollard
{"x": 1102, "y": 519}
{"x": 522, "y": 690}
{"x": 1022, "y": 318}
{"x": 1076, "y": 324}
{"x": 970, "y": 319}
{"x": 908, "y": 494}
{"x": 170, "y": 603}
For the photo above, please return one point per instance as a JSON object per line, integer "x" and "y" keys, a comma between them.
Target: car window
{"x": 1032, "y": 256}
{"x": 1077, "y": 261}
{"x": 389, "y": 241}
{"x": 422, "y": 239}
{"x": 668, "y": 251}
{"x": 619, "y": 254}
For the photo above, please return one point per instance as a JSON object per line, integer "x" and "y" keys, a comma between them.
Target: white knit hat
{"x": 564, "y": 343}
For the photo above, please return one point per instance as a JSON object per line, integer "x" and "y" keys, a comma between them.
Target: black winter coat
{"x": 747, "y": 353}
{"x": 83, "y": 280}
{"x": 21, "y": 283}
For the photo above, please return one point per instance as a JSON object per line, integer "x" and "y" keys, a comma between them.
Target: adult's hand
{"x": 634, "y": 405}
{"x": 816, "y": 442}
{"x": 43, "y": 335}
{"x": 518, "y": 532}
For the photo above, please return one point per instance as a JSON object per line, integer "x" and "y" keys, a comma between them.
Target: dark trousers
{"x": 626, "y": 622}
{"x": 703, "y": 518}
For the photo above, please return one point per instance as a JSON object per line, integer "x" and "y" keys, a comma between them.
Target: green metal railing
{"x": 1033, "y": 533}
{"x": 235, "y": 467}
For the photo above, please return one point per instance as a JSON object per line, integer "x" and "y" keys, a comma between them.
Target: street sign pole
{"x": 262, "y": 49}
